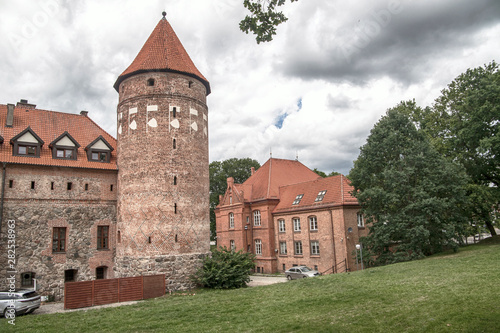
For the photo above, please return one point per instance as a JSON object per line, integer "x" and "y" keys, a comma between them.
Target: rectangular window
{"x": 11, "y": 183}
{"x": 298, "y": 248}
{"x": 102, "y": 237}
{"x": 282, "y": 247}
{"x": 21, "y": 150}
{"x": 313, "y": 223}
{"x": 27, "y": 279}
{"x": 70, "y": 275}
{"x": 281, "y": 225}
{"x": 258, "y": 247}
{"x": 70, "y": 185}
{"x": 32, "y": 185}
{"x": 320, "y": 196}
{"x": 231, "y": 220}
{"x": 59, "y": 239}
{"x": 315, "y": 248}
{"x": 297, "y": 199}
{"x": 232, "y": 245}
{"x": 256, "y": 218}
{"x": 296, "y": 224}
{"x": 361, "y": 222}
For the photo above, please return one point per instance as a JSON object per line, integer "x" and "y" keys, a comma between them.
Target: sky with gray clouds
{"x": 316, "y": 91}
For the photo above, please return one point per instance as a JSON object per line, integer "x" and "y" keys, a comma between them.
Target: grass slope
{"x": 452, "y": 292}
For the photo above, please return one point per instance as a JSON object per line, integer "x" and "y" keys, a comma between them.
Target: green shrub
{"x": 226, "y": 269}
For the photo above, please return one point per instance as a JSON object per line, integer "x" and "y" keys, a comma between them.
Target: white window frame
{"x": 313, "y": 223}
{"x": 256, "y": 218}
{"x": 315, "y": 248}
{"x": 283, "y": 248}
{"x": 321, "y": 195}
{"x": 296, "y": 224}
{"x": 258, "y": 247}
{"x": 361, "y": 220}
{"x": 298, "y": 248}
{"x": 232, "y": 246}
{"x": 281, "y": 225}
{"x": 231, "y": 220}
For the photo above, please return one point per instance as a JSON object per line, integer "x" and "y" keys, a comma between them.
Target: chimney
{"x": 10, "y": 115}
{"x": 25, "y": 105}
{"x": 84, "y": 113}
{"x": 252, "y": 169}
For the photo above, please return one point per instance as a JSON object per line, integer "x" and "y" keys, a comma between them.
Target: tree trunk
{"x": 491, "y": 228}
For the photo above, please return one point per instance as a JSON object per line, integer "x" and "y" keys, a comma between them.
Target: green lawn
{"x": 454, "y": 292}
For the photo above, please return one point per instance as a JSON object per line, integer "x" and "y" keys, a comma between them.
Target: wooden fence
{"x": 98, "y": 292}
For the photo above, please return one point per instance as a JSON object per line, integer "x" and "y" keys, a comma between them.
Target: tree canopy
{"x": 463, "y": 125}
{"x": 324, "y": 175}
{"x": 414, "y": 198}
{"x": 238, "y": 168}
{"x": 263, "y": 19}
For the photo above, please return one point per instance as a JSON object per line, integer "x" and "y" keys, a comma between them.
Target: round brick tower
{"x": 163, "y": 222}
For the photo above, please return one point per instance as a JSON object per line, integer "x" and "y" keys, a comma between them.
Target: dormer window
{"x": 26, "y": 143}
{"x": 64, "y": 147}
{"x": 99, "y": 150}
{"x": 320, "y": 196}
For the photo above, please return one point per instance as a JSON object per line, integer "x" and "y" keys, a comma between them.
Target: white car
{"x": 300, "y": 272}
{"x": 17, "y": 302}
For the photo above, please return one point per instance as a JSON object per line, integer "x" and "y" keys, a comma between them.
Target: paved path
{"x": 264, "y": 280}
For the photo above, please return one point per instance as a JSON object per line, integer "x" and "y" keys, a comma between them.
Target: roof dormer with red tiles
{"x": 39, "y": 137}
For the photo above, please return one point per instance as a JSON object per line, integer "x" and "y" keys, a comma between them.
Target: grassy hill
{"x": 451, "y": 292}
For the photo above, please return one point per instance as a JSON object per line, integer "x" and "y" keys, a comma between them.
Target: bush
{"x": 226, "y": 269}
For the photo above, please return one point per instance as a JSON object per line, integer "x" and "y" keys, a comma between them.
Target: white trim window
{"x": 258, "y": 247}
{"x": 361, "y": 221}
{"x": 282, "y": 247}
{"x": 298, "y": 247}
{"x": 313, "y": 223}
{"x": 315, "y": 248}
{"x": 296, "y": 224}
{"x": 231, "y": 220}
{"x": 232, "y": 246}
{"x": 256, "y": 218}
{"x": 281, "y": 225}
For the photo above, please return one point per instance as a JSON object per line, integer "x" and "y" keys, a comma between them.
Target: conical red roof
{"x": 163, "y": 51}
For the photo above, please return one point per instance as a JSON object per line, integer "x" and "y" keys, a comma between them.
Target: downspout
{"x": 333, "y": 243}
{"x": 3, "y": 195}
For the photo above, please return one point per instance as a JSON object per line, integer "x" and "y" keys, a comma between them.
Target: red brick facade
{"x": 321, "y": 234}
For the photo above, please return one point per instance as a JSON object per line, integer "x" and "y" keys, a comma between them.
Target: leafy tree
{"x": 463, "y": 125}
{"x": 238, "y": 168}
{"x": 324, "y": 175}
{"x": 413, "y": 197}
{"x": 225, "y": 269}
{"x": 264, "y": 18}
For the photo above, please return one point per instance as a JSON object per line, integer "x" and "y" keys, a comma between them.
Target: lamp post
{"x": 360, "y": 248}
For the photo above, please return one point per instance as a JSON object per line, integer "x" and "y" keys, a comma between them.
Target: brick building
{"x": 88, "y": 206}
{"x": 288, "y": 216}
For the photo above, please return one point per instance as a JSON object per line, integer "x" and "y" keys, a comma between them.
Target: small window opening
{"x": 70, "y": 185}
{"x": 149, "y": 239}
{"x": 175, "y": 180}
{"x": 175, "y": 144}
{"x": 174, "y": 112}
{"x": 176, "y": 238}
{"x": 11, "y": 183}
{"x": 119, "y": 237}
{"x": 284, "y": 267}
{"x": 32, "y": 185}
{"x": 100, "y": 272}
{"x": 175, "y": 208}
{"x": 190, "y": 84}
{"x": 52, "y": 186}
{"x": 111, "y": 187}
{"x": 86, "y": 187}
{"x": 151, "y": 82}
{"x": 70, "y": 275}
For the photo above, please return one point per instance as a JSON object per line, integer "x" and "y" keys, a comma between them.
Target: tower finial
{"x": 164, "y": 14}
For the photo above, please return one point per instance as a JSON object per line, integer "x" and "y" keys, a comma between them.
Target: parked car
{"x": 24, "y": 300}
{"x": 300, "y": 272}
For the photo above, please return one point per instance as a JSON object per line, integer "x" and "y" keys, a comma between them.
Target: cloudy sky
{"x": 315, "y": 91}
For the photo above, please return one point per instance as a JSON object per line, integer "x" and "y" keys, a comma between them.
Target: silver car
{"x": 17, "y": 302}
{"x": 300, "y": 272}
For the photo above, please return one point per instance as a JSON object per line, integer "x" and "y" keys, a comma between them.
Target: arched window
{"x": 313, "y": 223}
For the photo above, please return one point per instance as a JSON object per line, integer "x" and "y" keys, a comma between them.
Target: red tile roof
{"x": 49, "y": 125}
{"x": 266, "y": 181}
{"x": 163, "y": 51}
{"x": 337, "y": 193}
